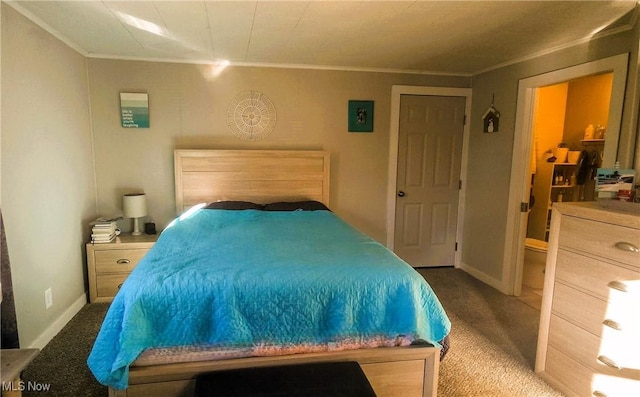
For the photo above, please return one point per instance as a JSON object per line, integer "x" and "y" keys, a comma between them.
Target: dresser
{"x": 589, "y": 337}
{"x": 109, "y": 264}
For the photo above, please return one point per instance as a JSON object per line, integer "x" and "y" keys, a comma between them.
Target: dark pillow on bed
{"x": 234, "y": 205}
{"x": 296, "y": 206}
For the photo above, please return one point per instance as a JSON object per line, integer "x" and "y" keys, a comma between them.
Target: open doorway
{"x": 520, "y": 186}
{"x": 567, "y": 147}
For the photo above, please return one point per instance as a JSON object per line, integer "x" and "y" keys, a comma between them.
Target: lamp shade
{"x": 134, "y": 205}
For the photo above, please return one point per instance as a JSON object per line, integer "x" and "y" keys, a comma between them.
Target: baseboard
{"x": 484, "y": 277}
{"x": 57, "y": 325}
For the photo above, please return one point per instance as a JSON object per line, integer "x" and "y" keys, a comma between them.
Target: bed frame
{"x": 259, "y": 176}
{"x": 264, "y": 176}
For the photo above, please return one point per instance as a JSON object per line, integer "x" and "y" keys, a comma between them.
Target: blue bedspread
{"x": 232, "y": 278}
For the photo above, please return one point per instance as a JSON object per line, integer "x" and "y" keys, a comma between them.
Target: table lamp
{"x": 134, "y": 205}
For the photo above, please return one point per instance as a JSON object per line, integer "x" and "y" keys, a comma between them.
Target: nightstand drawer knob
{"x": 619, "y": 285}
{"x": 120, "y": 285}
{"x": 612, "y": 324}
{"x": 123, "y": 261}
{"x": 608, "y": 362}
{"x": 598, "y": 393}
{"x": 624, "y": 246}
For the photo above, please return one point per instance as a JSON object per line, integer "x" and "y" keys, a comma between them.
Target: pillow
{"x": 296, "y": 206}
{"x": 234, "y": 205}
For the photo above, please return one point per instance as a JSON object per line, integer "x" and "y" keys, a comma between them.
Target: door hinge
{"x": 460, "y": 184}
{"x": 464, "y": 120}
{"x": 524, "y": 207}
{"x": 456, "y": 246}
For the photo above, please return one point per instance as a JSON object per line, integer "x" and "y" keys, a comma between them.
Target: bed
{"x": 231, "y": 274}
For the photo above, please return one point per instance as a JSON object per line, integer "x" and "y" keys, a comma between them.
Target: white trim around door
{"x": 519, "y": 190}
{"x": 396, "y": 92}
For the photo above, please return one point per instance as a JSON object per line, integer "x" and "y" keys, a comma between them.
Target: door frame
{"x": 519, "y": 190}
{"x": 396, "y": 92}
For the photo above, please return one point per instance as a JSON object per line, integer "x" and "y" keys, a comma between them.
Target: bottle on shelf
{"x": 589, "y": 132}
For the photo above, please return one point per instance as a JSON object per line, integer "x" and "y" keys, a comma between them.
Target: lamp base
{"x": 136, "y": 227}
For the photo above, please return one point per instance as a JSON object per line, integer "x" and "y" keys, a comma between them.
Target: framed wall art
{"x": 360, "y": 116}
{"x": 134, "y": 110}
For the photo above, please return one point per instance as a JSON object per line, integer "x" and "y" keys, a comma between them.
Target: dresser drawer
{"x": 579, "y": 308}
{"x": 600, "y": 239}
{"x": 590, "y": 318}
{"x": 584, "y": 381}
{"x": 592, "y": 351}
{"x": 593, "y": 314}
{"x": 595, "y": 277}
{"x": 108, "y": 285}
{"x": 115, "y": 261}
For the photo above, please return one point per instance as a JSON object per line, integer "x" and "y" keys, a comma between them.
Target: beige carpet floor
{"x": 493, "y": 339}
{"x": 493, "y": 342}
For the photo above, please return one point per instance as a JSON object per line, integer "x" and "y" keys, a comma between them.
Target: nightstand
{"x": 109, "y": 264}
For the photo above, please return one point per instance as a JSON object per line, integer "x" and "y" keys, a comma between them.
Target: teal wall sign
{"x": 134, "y": 110}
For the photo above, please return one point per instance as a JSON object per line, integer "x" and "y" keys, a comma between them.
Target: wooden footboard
{"x": 395, "y": 371}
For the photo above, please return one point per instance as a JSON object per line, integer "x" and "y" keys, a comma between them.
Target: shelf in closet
{"x": 591, "y": 141}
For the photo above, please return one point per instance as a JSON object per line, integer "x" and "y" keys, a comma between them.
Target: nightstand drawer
{"x": 109, "y": 264}
{"x": 108, "y": 285}
{"x": 601, "y": 239}
{"x": 115, "y": 261}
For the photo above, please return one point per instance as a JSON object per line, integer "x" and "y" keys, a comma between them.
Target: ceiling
{"x": 444, "y": 37}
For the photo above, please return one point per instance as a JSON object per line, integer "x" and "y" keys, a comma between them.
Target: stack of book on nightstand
{"x": 104, "y": 230}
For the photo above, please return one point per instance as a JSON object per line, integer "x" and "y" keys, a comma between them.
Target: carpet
{"x": 493, "y": 340}
{"x": 493, "y": 343}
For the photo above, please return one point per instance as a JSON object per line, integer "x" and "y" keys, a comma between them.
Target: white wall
{"x": 636, "y": 98}
{"x": 0, "y": 118}
{"x": 490, "y": 154}
{"x": 188, "y": 107}
{"x": 48, "y": 185}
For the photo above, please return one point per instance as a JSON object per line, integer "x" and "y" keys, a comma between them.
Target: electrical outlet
{"x": 48, "y": 298}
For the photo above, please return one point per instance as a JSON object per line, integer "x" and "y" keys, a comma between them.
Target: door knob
{"x": 400, "y": 193}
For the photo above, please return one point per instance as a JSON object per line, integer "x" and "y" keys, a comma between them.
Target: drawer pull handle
{"x": 123, "y": 261}
{"x": 120, "y": 285}
{"x": 608, "y": 362}
{"x": 598, "y": 393}
{"x": 612, "y": 324}
{"x": 619, "y": 285}
{"x": 624, "y": 246}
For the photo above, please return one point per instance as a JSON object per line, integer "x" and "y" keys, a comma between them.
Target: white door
{"x": 430, "y": 138}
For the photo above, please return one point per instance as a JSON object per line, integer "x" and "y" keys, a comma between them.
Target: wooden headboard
{"x": 259, "y": 176}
